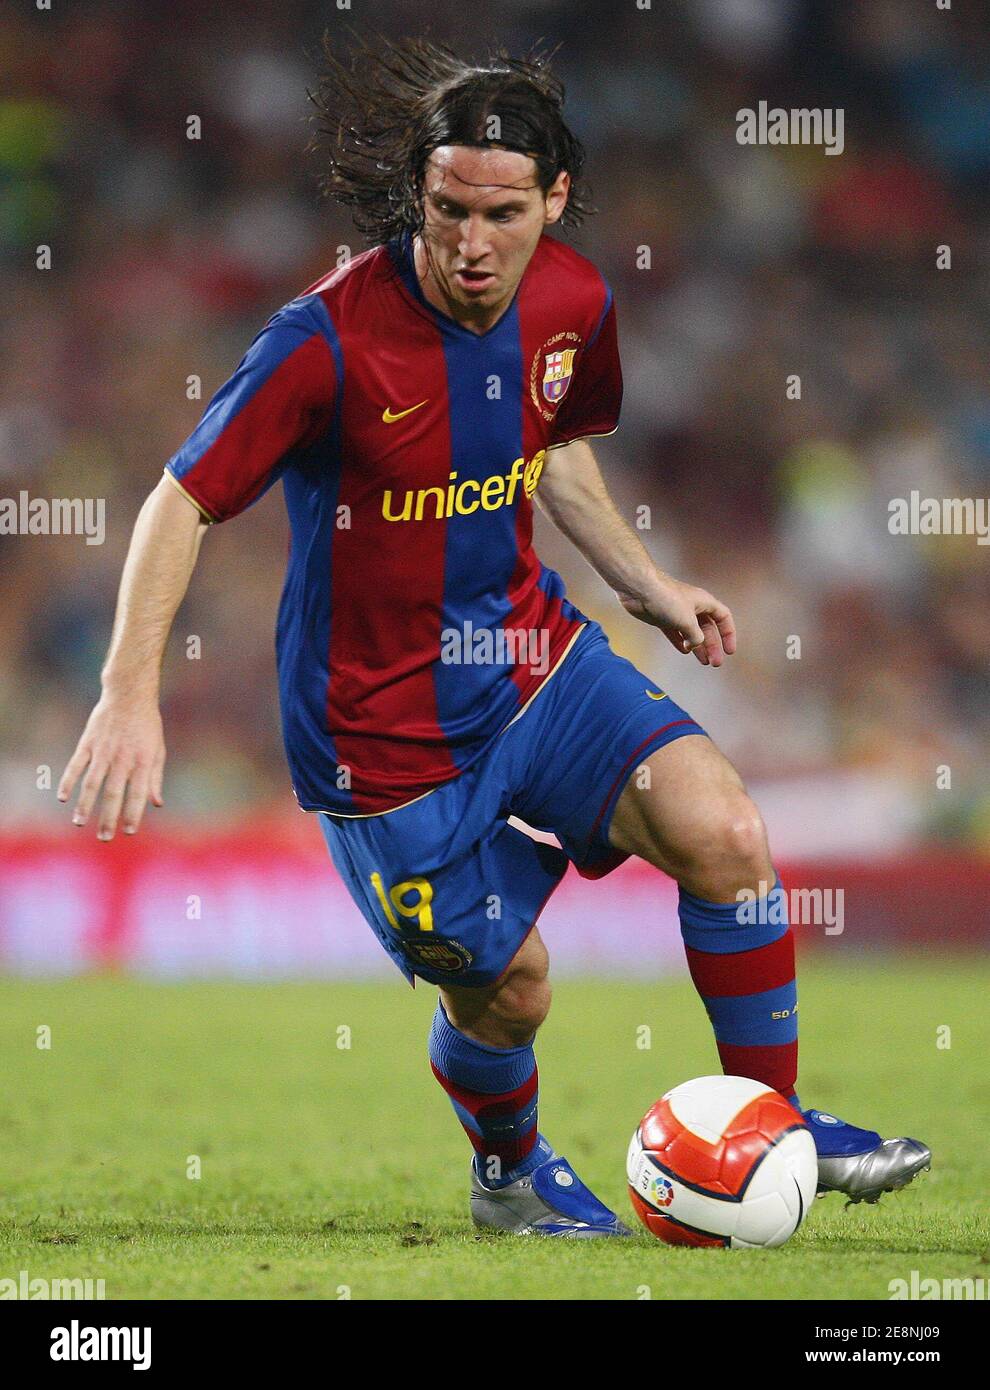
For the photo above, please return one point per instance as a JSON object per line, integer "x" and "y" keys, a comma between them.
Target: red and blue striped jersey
{"x": 409, "y": 450}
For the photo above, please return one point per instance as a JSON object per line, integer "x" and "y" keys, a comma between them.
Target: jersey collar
{"x": 401, "y": 251}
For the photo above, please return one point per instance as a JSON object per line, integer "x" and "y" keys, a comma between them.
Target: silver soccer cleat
{"x": 865, "y": 1177}
{"x": 550, "y": 1201}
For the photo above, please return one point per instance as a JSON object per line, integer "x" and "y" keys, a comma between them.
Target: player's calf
{"x": 694, "y": 820}
{"x": 481, "y": 1051}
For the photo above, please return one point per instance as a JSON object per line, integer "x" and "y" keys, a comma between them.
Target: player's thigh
{"x": 449, "y": 901}
{"x": 571, "y": 755}
{"x": 686, "y": 806}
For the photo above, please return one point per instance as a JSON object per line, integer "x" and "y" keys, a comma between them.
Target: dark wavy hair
{"x": 382, "y": 112}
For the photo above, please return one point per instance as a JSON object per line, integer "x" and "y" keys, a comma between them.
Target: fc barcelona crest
{"x": 557, "y": 376}
{"x": 552, "y": 371}
{"x": 442, "y": 955}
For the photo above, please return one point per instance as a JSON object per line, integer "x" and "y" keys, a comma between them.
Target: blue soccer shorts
{"x": 450, "y": 889}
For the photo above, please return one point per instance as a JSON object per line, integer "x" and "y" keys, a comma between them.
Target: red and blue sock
{"x": 741, "y": 958}
{"x": 494, "y": 1092}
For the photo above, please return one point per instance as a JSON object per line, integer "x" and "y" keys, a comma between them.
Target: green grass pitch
{"x": 331, "y": 1171}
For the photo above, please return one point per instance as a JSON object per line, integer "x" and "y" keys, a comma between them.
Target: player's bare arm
{"x": 573, "y": 494}
{"x": 122, "y": 748}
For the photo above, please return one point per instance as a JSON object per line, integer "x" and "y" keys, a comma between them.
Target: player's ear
{"x": 556, "y": 197}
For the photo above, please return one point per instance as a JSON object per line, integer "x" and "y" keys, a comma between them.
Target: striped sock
{"x": 494, "y": 1092}
{"x": 744, "y": 972}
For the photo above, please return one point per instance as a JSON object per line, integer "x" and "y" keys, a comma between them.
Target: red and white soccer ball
{"x": 722, "y": 1160}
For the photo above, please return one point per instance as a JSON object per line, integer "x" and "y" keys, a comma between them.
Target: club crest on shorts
{"x": 446, "y": 957}
{"x": 553, "y": 369}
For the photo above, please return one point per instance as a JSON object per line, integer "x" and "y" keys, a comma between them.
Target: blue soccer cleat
{"x": 858, "y": 1163}
{"x": 550, "y": 1201}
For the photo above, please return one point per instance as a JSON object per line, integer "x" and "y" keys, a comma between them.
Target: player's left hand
{"x": 692, "y": 619}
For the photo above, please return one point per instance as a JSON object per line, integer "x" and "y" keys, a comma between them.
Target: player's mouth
{"x": 474, "y": 281}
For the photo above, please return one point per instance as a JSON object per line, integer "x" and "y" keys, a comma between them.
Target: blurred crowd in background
{"x": 765, "y": 263}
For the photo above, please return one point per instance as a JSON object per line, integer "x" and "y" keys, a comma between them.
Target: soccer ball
{"x": 722, "y": 1160}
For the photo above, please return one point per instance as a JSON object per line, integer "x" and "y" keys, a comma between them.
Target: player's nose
{"x": 474, "y": 242}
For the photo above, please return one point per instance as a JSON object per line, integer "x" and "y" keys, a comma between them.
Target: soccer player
{"x": 434, "y": 679}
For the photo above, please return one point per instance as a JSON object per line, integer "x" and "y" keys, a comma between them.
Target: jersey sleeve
{"x": 280, "y": 397}
{"x": 594, "y": 398}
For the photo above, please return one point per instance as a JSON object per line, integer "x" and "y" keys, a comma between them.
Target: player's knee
{"x": 519, "y": 1007}
{"x": 508, "y": 1013}
{"x": 732, "y": 854}
{"x": 522, "y": 999}
{"x": 744, "y": 838}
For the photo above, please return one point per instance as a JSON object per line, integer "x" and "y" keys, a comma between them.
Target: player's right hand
{"x": 122, "y": 750}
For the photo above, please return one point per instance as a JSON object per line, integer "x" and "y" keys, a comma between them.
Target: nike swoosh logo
{"x": 390, "y": 416}
{"x": 654, "y": 696}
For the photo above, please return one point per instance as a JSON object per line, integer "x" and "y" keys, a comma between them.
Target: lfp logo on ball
{"x": 663, "y": 1193}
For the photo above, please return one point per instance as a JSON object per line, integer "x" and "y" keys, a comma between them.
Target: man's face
{"x": 484, "y": 213}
